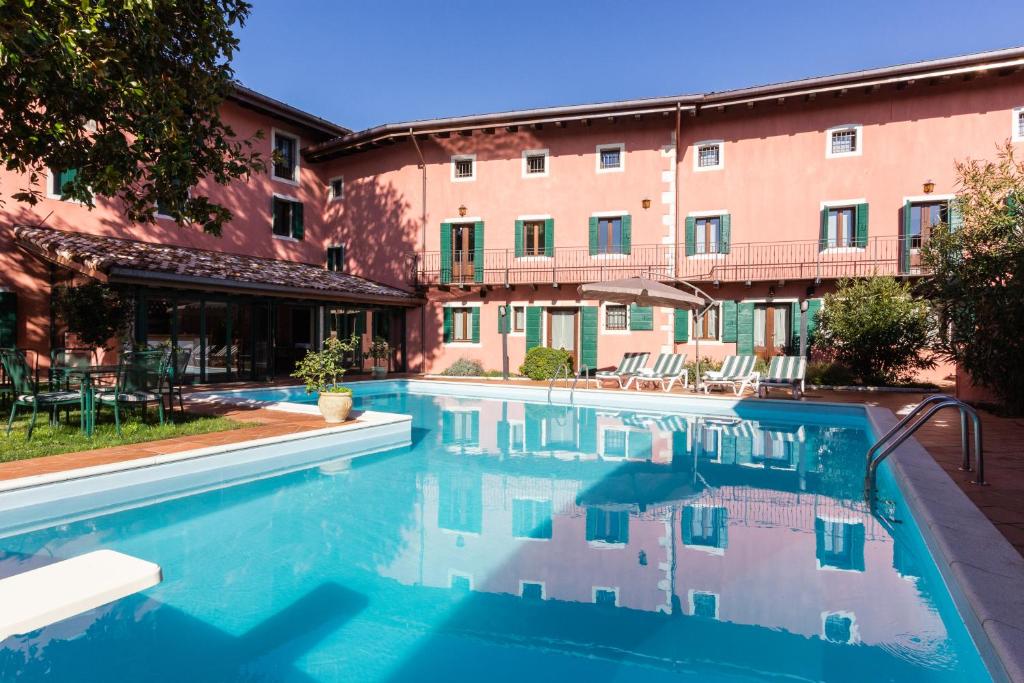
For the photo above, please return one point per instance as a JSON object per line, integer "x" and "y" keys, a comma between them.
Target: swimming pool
{"x": 516, "y": 539}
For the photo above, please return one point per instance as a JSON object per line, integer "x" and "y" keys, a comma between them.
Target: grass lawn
{"x": 65, "y": 438}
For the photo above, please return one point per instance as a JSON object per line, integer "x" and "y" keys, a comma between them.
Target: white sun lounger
{"x": 737, "y": 372}
{"x": 630, "y": 364}
{"x": 668, "y": 369}
{"x": 784, "y": 372}
{"x": 43, "y": 596}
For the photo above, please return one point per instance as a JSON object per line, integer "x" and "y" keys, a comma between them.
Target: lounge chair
{"x": 784, "y": 372}
{"x": 630, "y": 364}
{"x": 668, "y": 369}
{"x": 737, "y": 372}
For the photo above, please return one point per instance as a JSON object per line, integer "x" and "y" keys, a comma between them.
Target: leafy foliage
{"x": 320, "y": 370}
{"x": 379, "y": 349}
{"x": 829, "y": 374}
{"x": 542, "y": 362}
{"x": 465, "y": 367}
{"x": 95, "y": 312}
{"x": 128, "y": 94}
{"x": 977, "y": 281}
{"x": 877, "y": 328}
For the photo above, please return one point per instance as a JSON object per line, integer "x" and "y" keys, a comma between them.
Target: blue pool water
{"x": 522, "y": 541}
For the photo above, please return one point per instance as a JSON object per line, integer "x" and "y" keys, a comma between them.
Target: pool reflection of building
{"x": 737, "y": 521}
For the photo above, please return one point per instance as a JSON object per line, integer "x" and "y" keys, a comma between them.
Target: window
{"x": 615, "y": 443}
{"x": 610, "y": 158}
{"x": 531, "y": 518}
{"x": 706, "y": 327}
{"x": 923, "y": 219}
{"x": 460, "y": 582}
{"x": 535, "y": 163}
{"x": 288, "y": 222}
{"x": 460, "y": 506}
{"x": 336, "y": 189}
{"x": 59, "y": 180}
{"x": 616, "y": 317}
{"x": 709, "y": 156}
{"x": 843, "y": 141}
{"x": 609, "y": 597}
{"x": 463, "y": 168}
{"x": 533, "y": 238}
{"x": 704, "y": 526}
{"x": 1018, "y": 124}
{"x": 607, "y": 526}
{"x": 336, "y": 259}
{"x": 462, "y": 324}
{"x": 519, "y": 319}
{"x": 704, "y": 604}
{"x": 609, "y": 235}
{"x": 286, "y": 157}
{"x": 841, "y": 226}
{"x": 837, "y": 627}
{"x": 707, "y": 233}
{"x": 531, "y": 591}
{"x": 839, "y": 544}
{"x": 517, "y": 437}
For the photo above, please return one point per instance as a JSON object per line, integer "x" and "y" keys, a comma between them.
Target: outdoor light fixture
{"x": 771, "y": 292}
{"x": 929, "y": 186}
{"x": 646, "y": 203}
{"x": 462, "y": 210}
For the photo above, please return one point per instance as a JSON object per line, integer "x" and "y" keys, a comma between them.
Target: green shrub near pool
{"x": 542, "y": 363}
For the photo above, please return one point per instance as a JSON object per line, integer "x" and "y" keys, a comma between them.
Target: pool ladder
{"x": 906, "y": 428}
{"x": 563, "y": 372}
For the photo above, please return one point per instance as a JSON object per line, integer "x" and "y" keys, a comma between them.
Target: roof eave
{"x": 250, "y": 99}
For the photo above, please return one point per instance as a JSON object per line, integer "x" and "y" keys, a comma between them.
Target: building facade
{"x": 462, "y": 228}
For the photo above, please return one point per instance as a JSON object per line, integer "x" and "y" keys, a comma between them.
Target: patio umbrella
{"x": 644, "y": 291}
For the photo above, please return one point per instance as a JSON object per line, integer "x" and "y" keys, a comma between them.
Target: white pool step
{"x": 46, "y": 595}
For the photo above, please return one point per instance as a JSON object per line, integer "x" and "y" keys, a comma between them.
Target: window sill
{"x": 534, "y": 258}
{"x": 464, "y": 345}
{"x": 285, "y": 238}
{"x": 609, "y": 257}
{"x": 843, "y": 155}
{"x": 616, "y": 332}
{"x": 702, "y": 169}
{"x": 706, "y": 257}
{"x": 605, "y": 544}
{"x": 288, "y": 181}
{"x": 464, "y": 180}
{"x": 842, "y": 250}
{"x": 616, "y": 169}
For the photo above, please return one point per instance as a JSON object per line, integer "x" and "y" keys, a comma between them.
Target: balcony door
{"x": 772, "y": 328}
{"x": 923, "y": 218}
{"x": 563, "y": 327}
{"x": 463, "y": 244}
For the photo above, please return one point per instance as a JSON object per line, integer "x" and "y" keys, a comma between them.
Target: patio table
{"x": 86, "y": 375}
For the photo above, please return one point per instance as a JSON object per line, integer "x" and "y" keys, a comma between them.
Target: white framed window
{"x": 615, "y": 319}
{"x": 517, "y": 319}
{"x": 285, "y": 165}
{"x": 607, "y": 596}
{"x": 287, "y": 218}
{"x": 56, "y": 179}
{"x": 536, "y": 163}
{"x": 463, "y": 168}
{"x": 610, "y": 158}
{"x": 841, "y": 224}
{"x": 1018, "y": 124}
{"x": 844, "y": 141}
{"x": 707, "y": 327}
{"x": 532, "y": 590}
{"x": 709, "y": 155}
{"x": 703, "y": 604}
{"x": 336, "y": 189}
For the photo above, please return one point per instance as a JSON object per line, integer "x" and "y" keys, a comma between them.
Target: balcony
{"x": 745, "y": 262}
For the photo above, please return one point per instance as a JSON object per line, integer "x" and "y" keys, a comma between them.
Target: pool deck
{"x": 1002, "y": 501}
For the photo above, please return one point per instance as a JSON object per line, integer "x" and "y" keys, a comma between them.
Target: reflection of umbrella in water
{"x": 643, "y": 487}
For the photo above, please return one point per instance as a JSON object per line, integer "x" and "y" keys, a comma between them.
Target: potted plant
{"x": 320, "y": 372}
{"x": 380, "y": 351}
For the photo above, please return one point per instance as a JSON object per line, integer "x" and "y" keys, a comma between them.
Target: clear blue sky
{"x": 365, "y": 63}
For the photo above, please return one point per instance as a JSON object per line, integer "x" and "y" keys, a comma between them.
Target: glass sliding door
{"x": 190, "y": 336}
{"x": 220, "y": 350}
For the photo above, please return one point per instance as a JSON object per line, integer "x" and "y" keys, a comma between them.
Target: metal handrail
{"x": 582, "y": 369}
{"x": 563, "y": 370}
{"x": 906, "y": 428}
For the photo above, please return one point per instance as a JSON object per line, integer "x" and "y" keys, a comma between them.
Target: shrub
{"x": 93, "y": 311}
{"x": 542, "y": 362}
{"x": 464, "y": 367}
{"x": 320, "y": 370}
{"x": 706, "y": 364}
{"x": 826, "y": 373}
{"x": 877, "y": 328}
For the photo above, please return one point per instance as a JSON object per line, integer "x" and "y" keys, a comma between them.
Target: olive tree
{"x": 977, "y": 277}
{"x": 877, "y": 328}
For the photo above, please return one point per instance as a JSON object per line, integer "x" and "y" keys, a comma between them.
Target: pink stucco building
{"x": 425, "y": 232}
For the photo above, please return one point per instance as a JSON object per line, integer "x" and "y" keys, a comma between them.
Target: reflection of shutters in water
{"x": 531, "y": 518}
{"x": 460, "y": 502}
{"x": 705, "y": 526}
{"x": 460, "y": 428}
{"x": 608, "y": 526}
{"x": 839, "y": 544}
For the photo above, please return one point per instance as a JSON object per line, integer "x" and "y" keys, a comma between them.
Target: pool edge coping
{"x": 953, "y": 527}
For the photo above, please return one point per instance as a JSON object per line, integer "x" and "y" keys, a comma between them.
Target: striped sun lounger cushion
{"x": 667, "y": 365}
{"x": 786, "y": 370}
{"x": 629, "y": 365}
{"x": 735, "y": 367}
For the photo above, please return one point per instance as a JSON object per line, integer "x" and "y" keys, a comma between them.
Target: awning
{"x": 642, "y": 292}
{"x": 116, "y": 260}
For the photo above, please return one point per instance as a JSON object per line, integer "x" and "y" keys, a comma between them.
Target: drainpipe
{"x": 423, "y": 244}
{"x": 675, "y": 169}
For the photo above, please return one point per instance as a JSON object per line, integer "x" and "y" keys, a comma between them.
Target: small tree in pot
{"x": 321, "y": 371}
{"x": 380, "y": 351}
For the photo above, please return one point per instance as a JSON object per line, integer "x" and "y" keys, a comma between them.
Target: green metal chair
{"x": 140, "y": 381}
{"x": 27, "y": 394}
{"x": 177, "y": 368}
{"x": 68, "y": 358}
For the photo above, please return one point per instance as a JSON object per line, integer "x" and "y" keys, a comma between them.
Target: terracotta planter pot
{"x": 379, "y": 371}
{"x": 335, "y": 407}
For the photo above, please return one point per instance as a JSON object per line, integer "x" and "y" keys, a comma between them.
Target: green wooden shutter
{"x": 627, "y": 234}
{"x": 298, "y": 227}
{"x": 63, "y": 178}
{"x": 794, "y": 326}
{"x": 691, "y": 241}
{"x": 533, "y": 331}
{"x": 8, "y": 319}
{"x": 519, "y": 238}
{"x": 588, "y": 429}
{"x": 641, "y": 318}
{"x": 729, "y": 321}
{"x": 823, "y": 234}
{"x": 478, "y": 251}
{"x": 588, "y": 336}
{"x": 745, "y": 329}
{"x": 956, "y": 217}
{"x": 593, "y": 236}
{"x": 861, "y": 231}
{"x": 476, "y": 325}
{"x": 813, "y": 308}
{"x": 549, "y": 237}
{"x": 725, "y": 233}
{"x": 446, "y": 253}
{"x": 447, "y": 325}
{"x": 905, "y": 241}
{"x": 682, "y": 326}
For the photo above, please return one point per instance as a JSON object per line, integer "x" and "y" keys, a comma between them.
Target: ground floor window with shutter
{"x": 616, "y": 317}
{"x": 462, "y": 324}
{"x": 533, "y": 238}
{"x": 706, "y": 327}
{"x": 518, "y": 319}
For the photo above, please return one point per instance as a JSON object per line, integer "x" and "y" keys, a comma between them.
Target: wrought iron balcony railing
{"x": 752, "y": 261}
